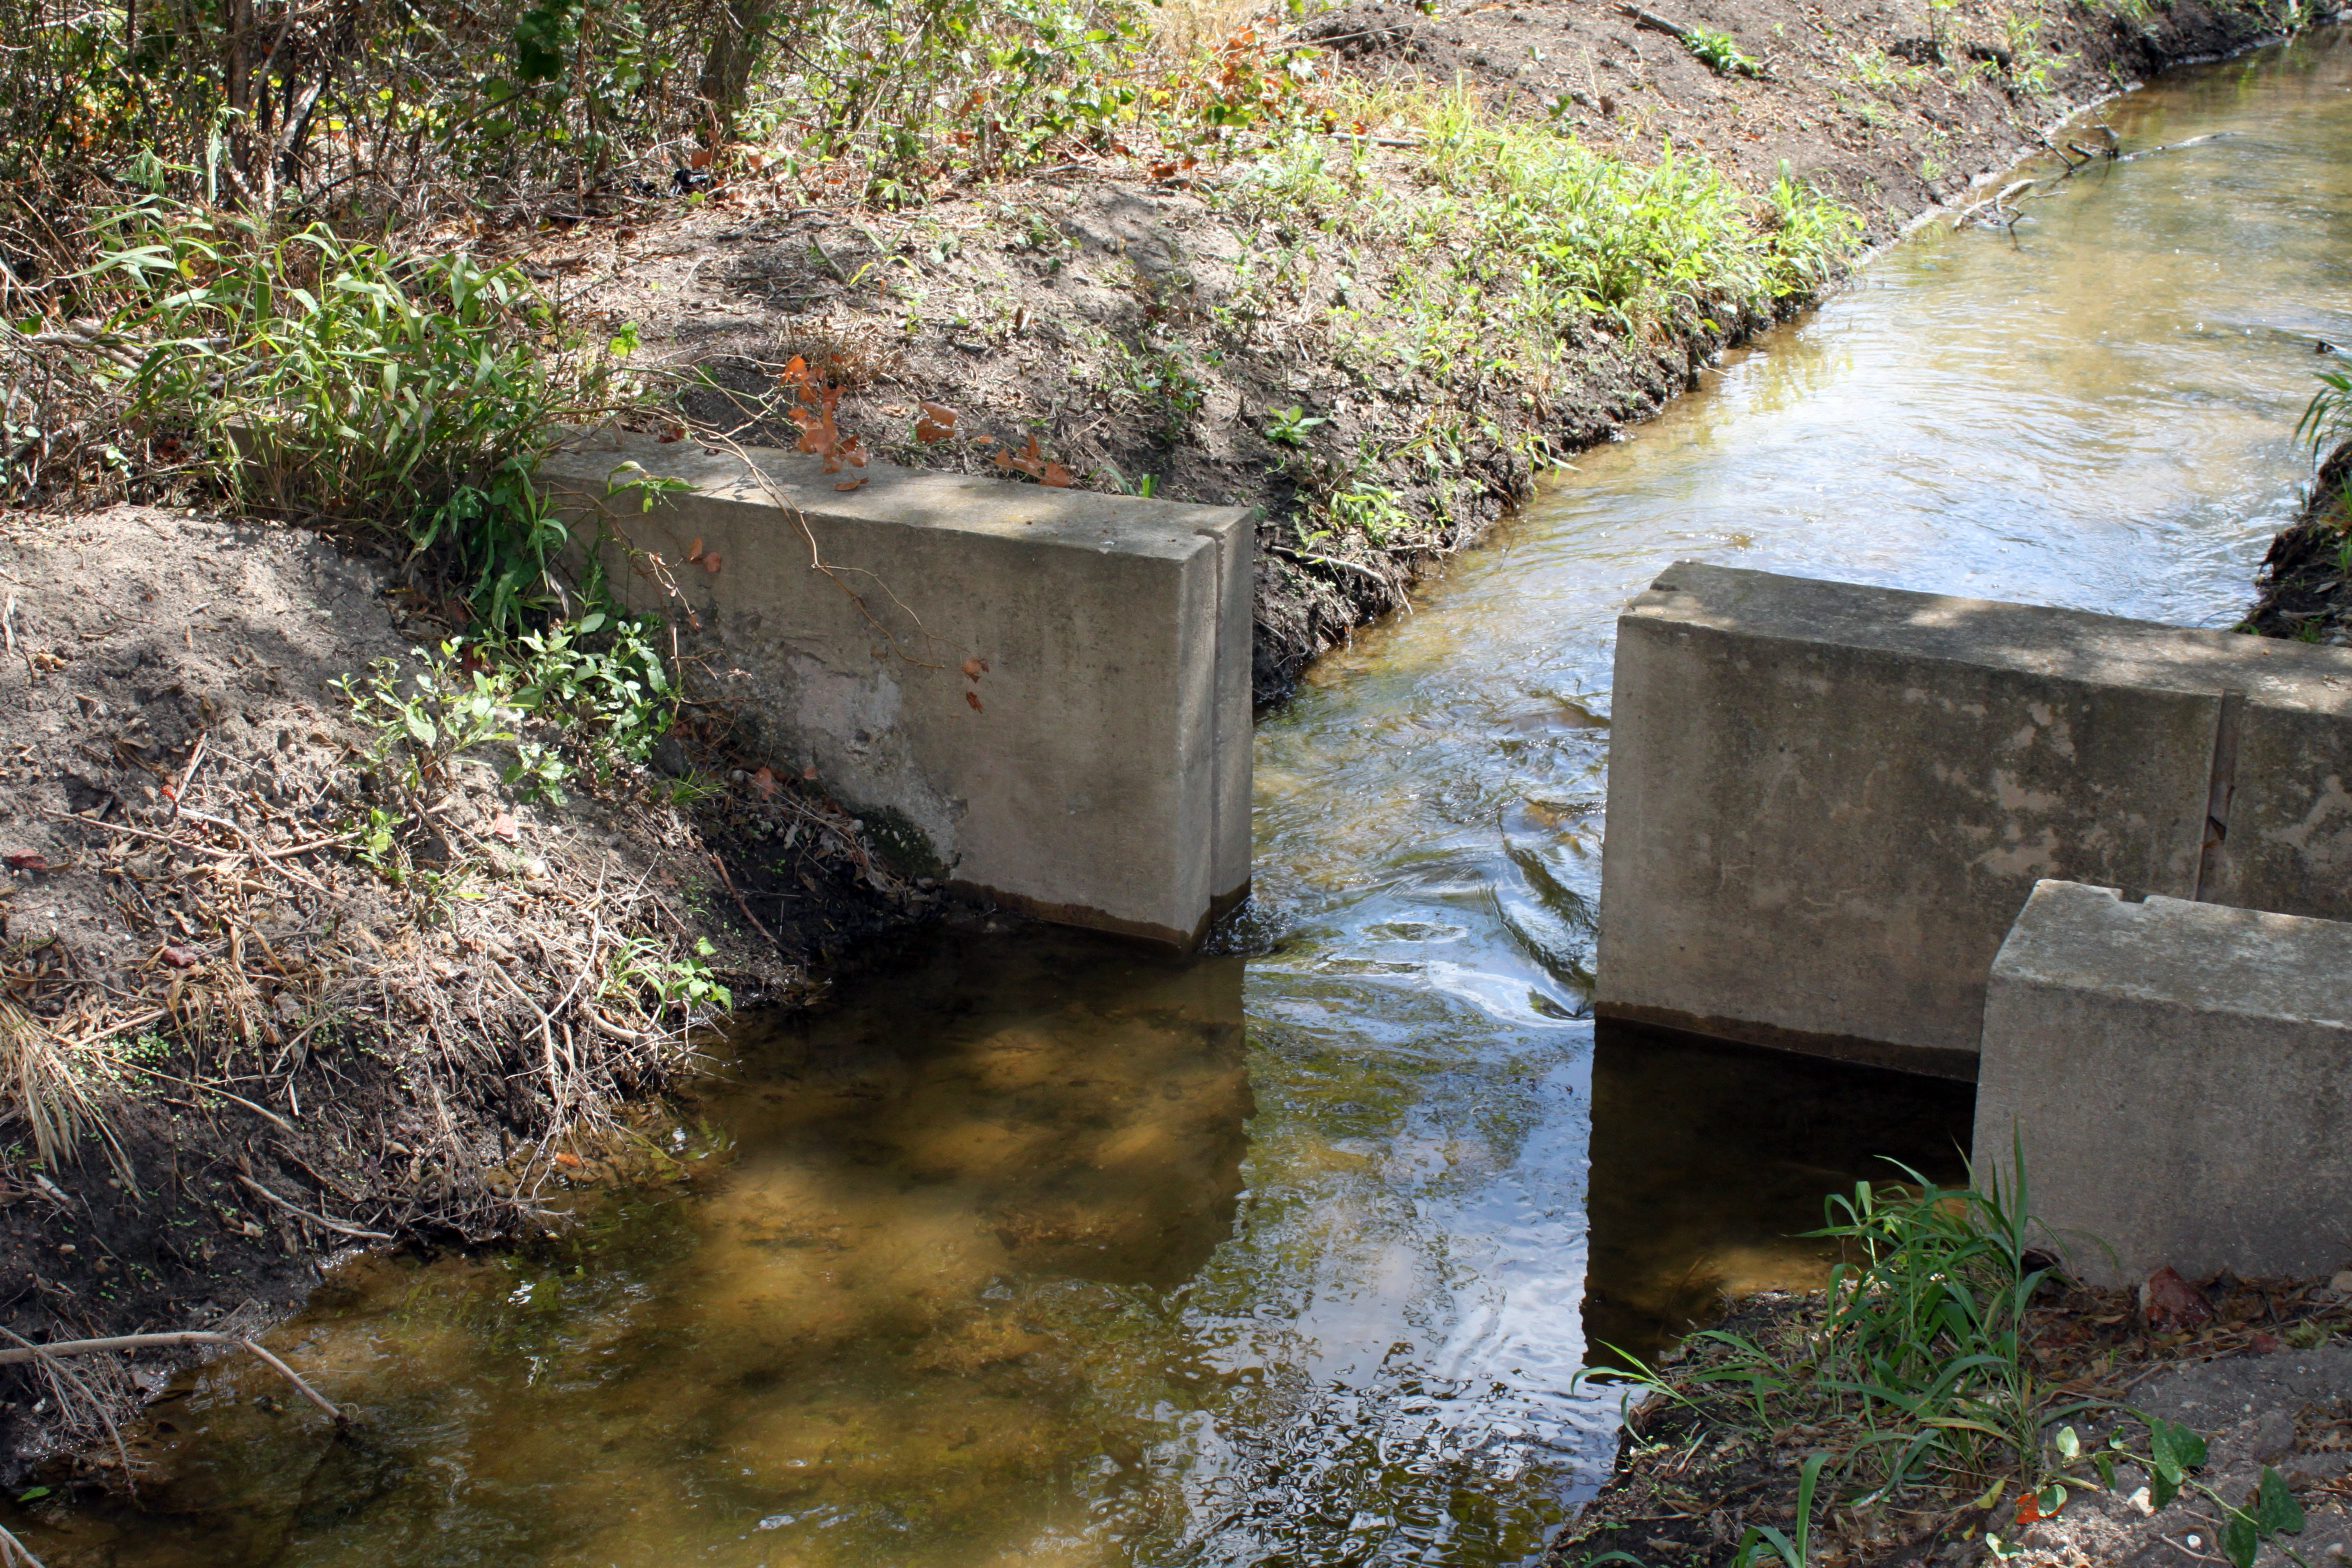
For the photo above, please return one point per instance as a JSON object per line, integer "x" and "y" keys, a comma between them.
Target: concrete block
{"x": 1828, "y": 801}
{"x": 2286, "y": 773}
{"x": 1041, "y": 694}
{"x": 2180, "y": 1076}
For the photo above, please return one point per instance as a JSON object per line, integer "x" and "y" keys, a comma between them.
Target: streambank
{"x": 2259, "y": 1371}
{"x": 263, "y": 998}
{"x": 1353, "y": 315}
{"x": 2306, "y": 588}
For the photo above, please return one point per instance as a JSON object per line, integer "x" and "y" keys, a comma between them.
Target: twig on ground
{"x": 720, "y": 863}
{"x": 13, "y": 1551}
{"x": 26, "y": 1351}
{"x": 1656, "y": 23}
{"x": 339, "y": 1227}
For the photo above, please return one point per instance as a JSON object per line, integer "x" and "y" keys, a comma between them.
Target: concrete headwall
{"x": 1827, "y": 802}
{"x": 2179, "y": 1076}
{"x": 1041, "y": 693}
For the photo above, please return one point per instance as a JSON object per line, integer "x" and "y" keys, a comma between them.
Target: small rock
{"x": 2170, "y": 1303}
{"x": 2341, "y": 1284}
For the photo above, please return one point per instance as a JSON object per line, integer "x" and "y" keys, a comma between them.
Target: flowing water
{"x": 1040, "y": 1250}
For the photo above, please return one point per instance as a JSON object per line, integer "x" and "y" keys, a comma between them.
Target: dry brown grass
{"x": 45, "y": 1086}
{"x": 1183, "y": 29}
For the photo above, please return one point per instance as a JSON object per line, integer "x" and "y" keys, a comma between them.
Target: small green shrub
{"x": 1291, "y": 426}
{"x": 2031, "y": 67}
{"x": 590, "y": 695}
{"x": 1561, "y": 231}
{"x": 2327, "y": 418}
{"x": 1720, "y": 52}
{"x": 311, "y": 377}
{"x": 646, "y": 968}
{"x": 1163, "y": 387}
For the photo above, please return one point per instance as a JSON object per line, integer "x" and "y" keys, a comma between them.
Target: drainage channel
{"x": 1037, "y": 1248}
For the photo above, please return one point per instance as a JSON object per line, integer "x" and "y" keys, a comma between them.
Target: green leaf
{"x": 2069, "y": 1444}
{"x": 420, "y": 727}
{"x": 2240, "y": 1541}
{"x": 2174, "y": 1451}
{"x": 33, "y": 1494}
{"x": 2275, "y": 1508}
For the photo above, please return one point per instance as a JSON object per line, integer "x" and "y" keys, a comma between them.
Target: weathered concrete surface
{"x": 1045, "y": 692}
{"x": 1827, "y": 802}
{"x": 2180, "y": 1076}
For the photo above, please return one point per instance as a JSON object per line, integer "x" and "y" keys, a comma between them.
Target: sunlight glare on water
{"x": 1035, "y": 1249}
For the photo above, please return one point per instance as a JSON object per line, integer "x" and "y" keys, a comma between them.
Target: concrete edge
{"x": 2254, "y": 666}
{"x": 583, "y": 464}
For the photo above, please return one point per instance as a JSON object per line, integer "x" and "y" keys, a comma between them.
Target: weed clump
{"x": 313, "y": 378}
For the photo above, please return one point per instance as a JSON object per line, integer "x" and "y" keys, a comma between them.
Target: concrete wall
{"x": 2180, "y": 1075}
{"x": 1044, "y": 691}
{"x": 1827, "y": 802}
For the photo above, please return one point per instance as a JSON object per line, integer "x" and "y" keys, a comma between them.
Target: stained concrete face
{"x": 2180, "y": 1078}
{"x": 1827, "y": 802}
{"x": 1044, "y": 691}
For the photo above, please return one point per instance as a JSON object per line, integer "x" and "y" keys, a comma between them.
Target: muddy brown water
{"x": 1041, "y": 1250}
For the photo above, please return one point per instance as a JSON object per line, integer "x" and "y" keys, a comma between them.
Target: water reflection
{"x": 1665, "y": 1249}
{"x": 1045, "y": 1251}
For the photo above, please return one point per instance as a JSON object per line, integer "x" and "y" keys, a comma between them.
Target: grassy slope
{"x": 1497, "y": 237}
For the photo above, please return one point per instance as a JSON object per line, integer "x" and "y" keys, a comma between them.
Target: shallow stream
{"x": 1039, "y": 1250}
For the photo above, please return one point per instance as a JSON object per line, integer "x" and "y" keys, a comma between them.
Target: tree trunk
{"x": 734, "y": 49}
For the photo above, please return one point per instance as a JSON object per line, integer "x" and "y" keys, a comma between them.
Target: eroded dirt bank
{"x": 249, "y": 1017}
{"x": 2306, "y": 586}
{"x": 1339, "y": 326}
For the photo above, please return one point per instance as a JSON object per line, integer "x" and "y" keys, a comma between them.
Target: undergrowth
{"x": 309, "y": 377}
{"x": 1914, "y": 1395}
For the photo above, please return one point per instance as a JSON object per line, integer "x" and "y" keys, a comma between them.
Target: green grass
{"x": 312, "y": 378}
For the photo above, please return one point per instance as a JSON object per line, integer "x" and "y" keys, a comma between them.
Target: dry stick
{"x": 188, "y": 775}
{"x": 1656, "y": 23}
{"x": 173, "y": 1339}
{"x": 721, "y": 865}
{"x": 15, "y": 1549}
{"x": 262, "y": 1111}
{"x": 1999, "y": 202}
{"x": 340, "y": 1227}
{"x": 1357, "y": 567}
{"x": 57, "y": 1370}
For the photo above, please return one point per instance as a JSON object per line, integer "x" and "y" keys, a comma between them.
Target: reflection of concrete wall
{"x": 2180, "y": 1075}
{"x": 1827, "y": 802}
{"x": 1044, "y": 691}
{"x": 1709, "y": 1163}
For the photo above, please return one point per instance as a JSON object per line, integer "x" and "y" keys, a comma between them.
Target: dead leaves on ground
{"x": 1035, "y": 464}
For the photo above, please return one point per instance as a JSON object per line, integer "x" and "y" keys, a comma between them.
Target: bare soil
{"x": 1052, "y": 307}
{"x": 275, "y": 1051}
{"x": 2266, "y": 1381}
